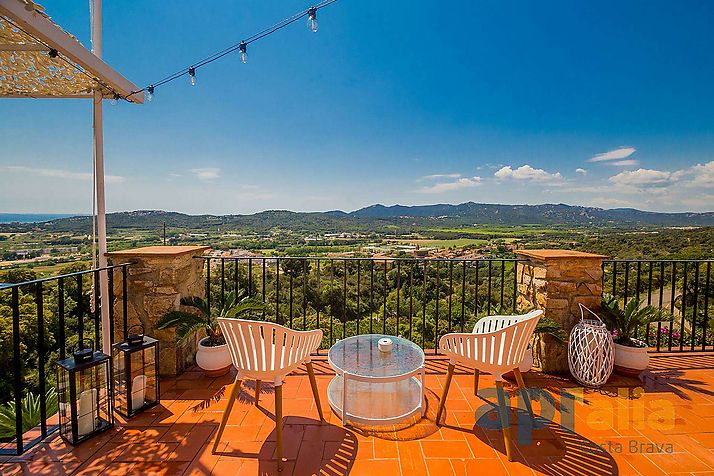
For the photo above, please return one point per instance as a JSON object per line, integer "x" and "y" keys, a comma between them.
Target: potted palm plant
{"x": 212, "y": 355}
{"x": 631, "y": 357}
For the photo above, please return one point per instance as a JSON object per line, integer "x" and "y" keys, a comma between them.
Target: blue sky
{"x": 598, "y": 103}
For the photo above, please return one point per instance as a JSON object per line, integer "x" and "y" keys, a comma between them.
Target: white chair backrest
{"x": 496, "y": 323}
{"x": 267, "y": 351}
{"x": 496, "y": 351}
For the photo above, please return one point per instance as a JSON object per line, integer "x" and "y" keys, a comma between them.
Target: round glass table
{"x": 374, "y": 387}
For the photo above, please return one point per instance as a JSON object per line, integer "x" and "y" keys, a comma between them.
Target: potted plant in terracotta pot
{"x": 631, "y": 357}
{"x": 212, "y": 356}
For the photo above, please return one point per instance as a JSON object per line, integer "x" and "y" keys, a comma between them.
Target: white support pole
{"x": 99, "y": 182}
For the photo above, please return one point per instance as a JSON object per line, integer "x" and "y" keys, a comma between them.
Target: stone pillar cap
{"x": 151, "y": 251}
{"x": 558, "y": 254}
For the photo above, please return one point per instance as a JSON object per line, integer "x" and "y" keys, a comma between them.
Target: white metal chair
{"x": 267, "y": 352}
{"x": 496, "y": 346}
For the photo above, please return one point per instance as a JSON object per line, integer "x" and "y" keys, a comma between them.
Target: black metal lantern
{"x": 84, "y": 396}
{"x": 136, "y": 373}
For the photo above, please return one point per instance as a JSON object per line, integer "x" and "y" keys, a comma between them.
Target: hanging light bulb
{"x": 243, "y": 47}
{"x": 312, "y": 19}
{"x": 192, "y": 75}
{"x": 150, "y": 93}
{"x": 115, "y": 99}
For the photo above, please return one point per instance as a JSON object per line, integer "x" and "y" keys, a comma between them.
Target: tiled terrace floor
{"x": 663, "y": 424}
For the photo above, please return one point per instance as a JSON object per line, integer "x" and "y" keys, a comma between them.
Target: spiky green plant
{"x": 624, "y": 322}
{"x": 187, "y": 323}
{"x": 31, "y": 414}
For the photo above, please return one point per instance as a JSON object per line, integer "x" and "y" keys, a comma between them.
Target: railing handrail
{"x": 662, "y": 260}
{"x": 62, "y": 276}
{"x": 354, "y": 258}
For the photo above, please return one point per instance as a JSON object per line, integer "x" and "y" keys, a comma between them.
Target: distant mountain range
{"x": 379, "y": 217}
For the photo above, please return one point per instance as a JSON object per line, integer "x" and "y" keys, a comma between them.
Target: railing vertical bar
{"x": 344, "y": 298}
{"x": 79, "y": 310}
{"x": 39, "y": 302}
{"x": 423, "y": 305}
{"x": 684, "y": 305}
{"x": 17, "y": 368}
{"x": 384, "y": 301}
{"x": 223, "y": 281}
{"x": 235, "y": 276}
{"x": 371, "y": 294}
{"x": 695, "y": 308}
{"x": 627, "y": 280}
{"x": 638, "y": 283}
{"x": 463, "y": 294}
{"x": 262, "y": 289}
{"x": 125, "y": 302}
{"x": 250, "y": 276}
{"x": 478, "y": 263}
{"x": 291, "y": 301}
{"x": 411, "y": 299}
{"x": 649, "y": 283}
{"x": 110, "y": 280}
{"x": 671, "y": 303}
{"x": 277, "y": 292}
{"x": 319, "y": 289}
{"x": 60, "y": 318}
{"x": 515, "y": 285}
{"x": 436, "y": 319}
{"x": 661, "y": 298}
{"x": 503, "y": 277}
{"x": 332, "y": 300}
{"x": 304, "y": 294}
{"x": 399, "y": 283}
{"x": 97, "y": 308}
{"x": 490, "y": 269}
{"x": 359, "y": 278}
{"x": 451, "y": 292}
{"x": 208, "y": 288}
{"x": 706, "y": 307}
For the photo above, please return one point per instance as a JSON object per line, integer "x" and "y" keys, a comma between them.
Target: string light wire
{"x": 234, "y": 47}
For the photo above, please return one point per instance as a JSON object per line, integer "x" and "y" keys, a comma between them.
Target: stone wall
{"x": 557, "y": 281}
{"x": 156, "y": 281}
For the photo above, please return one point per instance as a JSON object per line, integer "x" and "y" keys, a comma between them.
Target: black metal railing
{"x": 420, "y": 299}
{"x": 682, "y": 288}
{"x": 47, "y": 319}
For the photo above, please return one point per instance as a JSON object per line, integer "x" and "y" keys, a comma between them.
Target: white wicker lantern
{"x": 591, "y": 351}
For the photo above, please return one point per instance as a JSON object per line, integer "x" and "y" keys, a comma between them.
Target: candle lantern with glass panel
{"x": 136, "y": 372}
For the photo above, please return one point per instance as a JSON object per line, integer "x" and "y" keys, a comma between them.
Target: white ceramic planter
{"x": 215, "y": 361}
{"x": 631, "y": 361}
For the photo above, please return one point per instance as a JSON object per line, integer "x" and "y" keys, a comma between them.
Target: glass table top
{"x": 360, "y": 355}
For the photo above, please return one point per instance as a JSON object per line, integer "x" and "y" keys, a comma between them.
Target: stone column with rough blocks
{"x": 156, "y": 281}
{"x": 557, "y": 281}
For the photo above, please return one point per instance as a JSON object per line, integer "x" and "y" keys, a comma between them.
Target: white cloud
{"x": 624, "y": 163}
{"x": 703, "y": 175}
{"x": 581, "y": 171}
{"x": 527, "y": 173}
{"x": 451, "y": 185}
{"x": 440, "y": 176}
{"x": 644, "y": 178}
{"x": 63, "y": 174}
{"x": 616, "y": 154}
{"x": 208, "y": 173}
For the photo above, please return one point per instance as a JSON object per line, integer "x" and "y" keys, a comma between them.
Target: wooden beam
{"x": 42, "y": 28}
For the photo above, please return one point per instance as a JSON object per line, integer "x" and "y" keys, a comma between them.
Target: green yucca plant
{"x": 30, "y": 412}
{"x": 187, "y": 323}
{"x": 624, "y": 322}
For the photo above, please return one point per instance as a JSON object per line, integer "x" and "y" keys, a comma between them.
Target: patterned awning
{"x": 39, "y": 59}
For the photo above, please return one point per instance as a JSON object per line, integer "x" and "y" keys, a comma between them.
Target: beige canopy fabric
{"x": 40, "y": 59}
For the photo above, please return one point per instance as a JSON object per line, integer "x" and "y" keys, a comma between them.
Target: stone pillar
{"x": 156, "y": 281}
{"x": 556, "y": 281}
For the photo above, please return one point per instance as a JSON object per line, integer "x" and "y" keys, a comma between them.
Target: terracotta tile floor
{"x": 662, "y": 424}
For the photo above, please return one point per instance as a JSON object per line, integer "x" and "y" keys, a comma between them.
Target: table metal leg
{"x": 344, "y": 398}
{"x": 423, "y": 392}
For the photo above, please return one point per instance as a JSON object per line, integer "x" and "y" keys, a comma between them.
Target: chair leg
{"x": 503, "y": 411}
{"x": 524, "y": 391}
{"x": 315, "y": 393}
{"x": 257, "y": 392}
{"x": 226, "y": 413}
{"x": 476, "y": 376}
{"x": 449, "y": 374}
{"x": 279, "y": 424}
